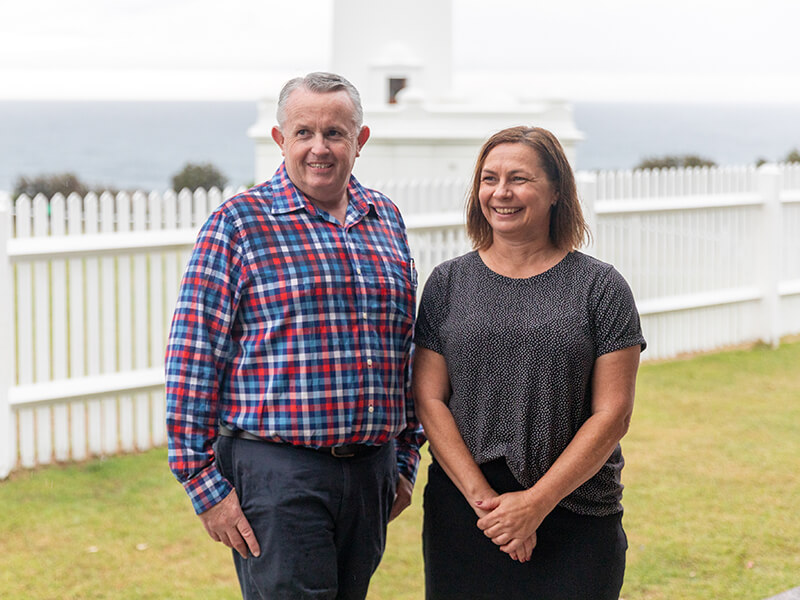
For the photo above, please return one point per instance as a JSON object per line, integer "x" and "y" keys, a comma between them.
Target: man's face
{"x": 320, "y": 143}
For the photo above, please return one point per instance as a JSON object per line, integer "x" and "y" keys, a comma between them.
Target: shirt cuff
{"x": 407, "y": 461}
{"x": 207, "y": 489}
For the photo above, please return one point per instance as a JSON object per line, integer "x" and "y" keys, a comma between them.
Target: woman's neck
{"x": 520, "y": 260}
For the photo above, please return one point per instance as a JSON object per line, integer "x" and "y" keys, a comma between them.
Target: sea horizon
{"x": 141, "y": 144}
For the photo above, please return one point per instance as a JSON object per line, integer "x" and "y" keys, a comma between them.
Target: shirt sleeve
{"x": 426, "y": 332}
{"x": 410, "y": 440}
{"x": 198, "y": 350}
{"x": 617, "y": 323}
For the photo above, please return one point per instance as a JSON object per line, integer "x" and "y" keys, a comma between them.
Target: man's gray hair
{"x": 320, "y": 83}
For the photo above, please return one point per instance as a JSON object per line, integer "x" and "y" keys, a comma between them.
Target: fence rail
{"x": 87, "y": 287}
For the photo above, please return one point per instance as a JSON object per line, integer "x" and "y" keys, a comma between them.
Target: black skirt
{"x": 576, "y": 556}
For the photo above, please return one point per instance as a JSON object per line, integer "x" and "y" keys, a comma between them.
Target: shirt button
{"x": 358, "y": 271}
{"x": 371, "y": 409}
{"x": 364, "y": 315}
{"x": 369, "y": 362}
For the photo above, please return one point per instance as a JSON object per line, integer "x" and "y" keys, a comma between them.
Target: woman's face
{"x": 515, "y": 194}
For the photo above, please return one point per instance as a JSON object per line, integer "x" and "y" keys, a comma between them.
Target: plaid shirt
{"x": 293, "y": 328}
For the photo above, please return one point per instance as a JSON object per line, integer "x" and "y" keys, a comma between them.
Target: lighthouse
{"x": 399, "y": 56}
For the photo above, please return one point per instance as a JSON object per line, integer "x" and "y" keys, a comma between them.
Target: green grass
{"x": 712, "y": 476}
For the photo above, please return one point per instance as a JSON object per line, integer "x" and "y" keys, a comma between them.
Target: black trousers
{"x": 576, "y": 557}
{"x": 320, "y": 521}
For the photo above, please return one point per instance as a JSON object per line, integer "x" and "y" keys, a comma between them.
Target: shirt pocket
{"x": 393, "y": 286}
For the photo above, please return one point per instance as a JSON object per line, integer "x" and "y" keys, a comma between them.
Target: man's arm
{"x": 197, "y": 353}
{"x": 407, "y": 446}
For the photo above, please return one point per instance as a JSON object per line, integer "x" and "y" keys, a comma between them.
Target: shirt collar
{"x": 287, "y": 198}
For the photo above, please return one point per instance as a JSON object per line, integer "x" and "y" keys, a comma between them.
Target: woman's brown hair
{"x": 568, "y": 229}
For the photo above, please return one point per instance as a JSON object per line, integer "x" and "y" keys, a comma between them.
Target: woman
{"x": 524, "y": 377}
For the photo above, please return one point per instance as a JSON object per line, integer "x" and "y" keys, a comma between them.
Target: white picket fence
{"x": 87, "y": 287}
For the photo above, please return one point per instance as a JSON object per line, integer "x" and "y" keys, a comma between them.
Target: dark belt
{"x": 343, "y": 451}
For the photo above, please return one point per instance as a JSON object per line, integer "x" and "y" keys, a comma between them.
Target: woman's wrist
{"x": 539, "y": 502}
{"x": 480, "y": 493}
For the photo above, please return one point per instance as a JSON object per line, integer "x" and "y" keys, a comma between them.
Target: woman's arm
{"x": 431, "y": 393}
{"x": 514, "y": 517}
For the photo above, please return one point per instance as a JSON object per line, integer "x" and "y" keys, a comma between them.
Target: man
{"x": 288, "y": 397}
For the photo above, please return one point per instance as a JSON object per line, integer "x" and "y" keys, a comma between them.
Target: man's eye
{"x": 334, "y": 133}
{"x": 302, "y": 132}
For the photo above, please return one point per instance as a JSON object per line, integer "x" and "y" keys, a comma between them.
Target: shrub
{"x": 676, "y": 161}
{"x": 198, "y": 175}
{"x": 49, "y": 185}
{"x": 793, "y": 156}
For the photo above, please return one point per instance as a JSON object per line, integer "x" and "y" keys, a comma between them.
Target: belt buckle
{"x": 343, "y": 451}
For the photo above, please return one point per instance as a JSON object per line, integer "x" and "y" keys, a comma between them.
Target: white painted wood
{"x": 59, "y": 296}
{"x": 141, "y": 330}
{"x": 50, "y": 392}
{"x": 124, "y": 325}
{"x": 94, "y": 424}
{"x": 200, "y": 210}
{"x": 156, "y": 324}
{"x": 77, "y": 329}
{"x": 108, "y": 244}
{"x": 42, "y": 324}
{"x": 691, "y": 243}
{"x": 185, "y": 221}
{"x": 108, "y": 327}
{"x": 771, "y": 246}
{"x": 8, "y": 425}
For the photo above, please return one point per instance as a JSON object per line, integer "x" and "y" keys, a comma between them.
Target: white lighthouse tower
{"x": 399, "y": 56}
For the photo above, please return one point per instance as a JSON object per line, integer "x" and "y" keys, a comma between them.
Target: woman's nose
{"x": 502, "y": 190}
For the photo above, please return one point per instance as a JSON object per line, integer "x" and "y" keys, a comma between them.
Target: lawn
{"x": 712, "y": 488}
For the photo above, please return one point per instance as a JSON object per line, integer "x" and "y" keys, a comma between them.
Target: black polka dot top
{"x": 520, "y": 353}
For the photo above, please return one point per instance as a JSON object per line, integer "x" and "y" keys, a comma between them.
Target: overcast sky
{"x": 582, "y": 50}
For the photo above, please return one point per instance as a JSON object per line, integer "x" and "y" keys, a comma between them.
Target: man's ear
{"x": 363, "y": 136}
{"x": 278, "y": 137}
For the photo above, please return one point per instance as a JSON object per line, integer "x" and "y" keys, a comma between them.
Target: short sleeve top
{"x": 520, "y": 354}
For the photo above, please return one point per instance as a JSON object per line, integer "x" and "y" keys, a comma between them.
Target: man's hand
{"x": 225, "y": 522}
{"x": 402, "y": 498}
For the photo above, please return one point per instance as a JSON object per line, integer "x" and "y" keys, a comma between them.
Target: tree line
{"x": 692, "y": 160}
{"x": 192, "y": 176}
{"x": 205, "y": 175}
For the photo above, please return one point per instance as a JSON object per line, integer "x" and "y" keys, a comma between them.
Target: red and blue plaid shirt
{"x": 292, "y": 327}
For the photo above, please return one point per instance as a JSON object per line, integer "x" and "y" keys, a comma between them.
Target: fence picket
{"x": 108, "y": 327}
{"x": 156, "y": 325}
{"x": 141, "y": 343}
{"x": 94, "y": 422}
{"x": 124, "y": 325}
{"x": 172, "y": 265}
{"x": 77, "y": 329}
{"x": 58, "y": 342}
{"x": 185, "y": 215}
{"x": 41, "y": 348}
{"x": 8, "y": 358}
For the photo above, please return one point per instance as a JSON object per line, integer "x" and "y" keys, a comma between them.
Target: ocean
{"x": 140, "y": 145}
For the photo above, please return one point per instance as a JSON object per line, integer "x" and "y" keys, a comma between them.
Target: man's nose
{"x": 319, "y": 144}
